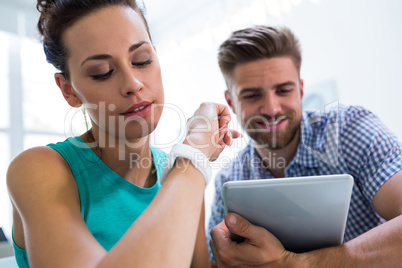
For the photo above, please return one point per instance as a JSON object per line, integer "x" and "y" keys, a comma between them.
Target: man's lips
{"x": 139, "y": 110}
{"x": 272, "y": 124}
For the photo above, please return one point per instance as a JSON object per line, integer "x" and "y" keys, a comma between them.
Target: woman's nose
{"x": 131, "y": 83}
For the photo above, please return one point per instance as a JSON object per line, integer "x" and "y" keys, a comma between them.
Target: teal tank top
{"x": 109, "y": 203}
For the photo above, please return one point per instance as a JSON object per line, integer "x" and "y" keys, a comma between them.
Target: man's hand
{"x": 259, "y": 249}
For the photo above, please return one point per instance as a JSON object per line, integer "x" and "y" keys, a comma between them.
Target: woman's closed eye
{"x": 102, "y": 76}
{"x": 141, "y": 58}
{"x": 142, "y": 64}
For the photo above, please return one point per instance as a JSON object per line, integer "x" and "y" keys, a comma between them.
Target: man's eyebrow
{"x": 107, "y": 56}
{"x": 249, "y": 89}
{"x": 289, "y": 83}
{"x": 255, "y": 89}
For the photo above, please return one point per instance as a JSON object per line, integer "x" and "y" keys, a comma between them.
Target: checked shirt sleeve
{"x": 372, "y": 153}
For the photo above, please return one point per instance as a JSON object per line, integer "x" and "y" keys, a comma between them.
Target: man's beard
{"x": 273, "y": 139}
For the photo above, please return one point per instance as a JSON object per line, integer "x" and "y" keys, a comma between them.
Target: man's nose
{"x": 270, "y": 105}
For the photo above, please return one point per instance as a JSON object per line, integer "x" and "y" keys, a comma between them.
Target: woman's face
{"x": 115, "y": 73}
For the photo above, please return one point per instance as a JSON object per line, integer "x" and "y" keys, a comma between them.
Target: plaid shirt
{"x": 345, "y": 139}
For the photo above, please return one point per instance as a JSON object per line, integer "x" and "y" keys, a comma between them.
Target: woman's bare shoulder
{"x": 37, "y": 171}
{"x": 45, "y": 203}
{"x": 34, "y": 161}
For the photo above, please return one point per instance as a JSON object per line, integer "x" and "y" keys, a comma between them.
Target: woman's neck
{"x": 131, "y": 159}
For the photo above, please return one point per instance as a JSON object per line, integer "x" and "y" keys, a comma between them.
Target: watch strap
{"x": 197, "y": 158}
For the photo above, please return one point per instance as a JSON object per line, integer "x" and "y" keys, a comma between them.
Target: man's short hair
{"x": 259, "y": 42}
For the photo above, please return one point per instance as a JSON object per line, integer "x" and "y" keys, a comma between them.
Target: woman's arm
{"x": 56, "y": 235}
{"x": 45, "y": 197}
{"x": 164, "y": 235}
{"x": 201, "y": 256}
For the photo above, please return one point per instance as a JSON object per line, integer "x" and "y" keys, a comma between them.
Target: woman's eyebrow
{"x": 97, "y": 57}
{"x": 135, "y": 46}
{"x": 107, "y": 56}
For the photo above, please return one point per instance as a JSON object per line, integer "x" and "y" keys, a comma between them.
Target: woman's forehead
{"x": 105, "y": 29}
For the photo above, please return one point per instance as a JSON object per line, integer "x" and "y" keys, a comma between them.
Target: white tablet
{"x": 304, "y": 213}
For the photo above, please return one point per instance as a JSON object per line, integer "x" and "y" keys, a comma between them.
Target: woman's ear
{"x": 67, "y": 90}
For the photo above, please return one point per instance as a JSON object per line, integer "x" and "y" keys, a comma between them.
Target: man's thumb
{"x": 238, "y": 225}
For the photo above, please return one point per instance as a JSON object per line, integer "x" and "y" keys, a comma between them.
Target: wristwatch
{"x": 197, "y": 158}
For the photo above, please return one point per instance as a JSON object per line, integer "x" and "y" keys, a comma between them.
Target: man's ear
{"x": 301, "y": 88}
{"x": 229, "y": 101}
{"x": 67, "y": 90}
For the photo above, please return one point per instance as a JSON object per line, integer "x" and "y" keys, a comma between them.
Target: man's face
{"x": 266, "y": 96}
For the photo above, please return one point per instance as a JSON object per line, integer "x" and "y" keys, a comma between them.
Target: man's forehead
{"x": 262, "y": 73}
{"x": 283, "y": 63}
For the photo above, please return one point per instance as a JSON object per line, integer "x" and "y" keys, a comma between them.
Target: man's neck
{"x": 276, "y": 160}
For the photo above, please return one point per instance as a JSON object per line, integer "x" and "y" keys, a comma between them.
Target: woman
{"x": 76, "y": 202}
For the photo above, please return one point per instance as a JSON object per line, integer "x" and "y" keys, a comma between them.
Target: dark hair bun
{"x": 44, "y": 7}
{"x": 45, "y": 4}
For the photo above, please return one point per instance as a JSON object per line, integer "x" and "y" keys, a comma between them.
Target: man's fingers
{"x": 214, "y": 251}
{"x": 259, "y": 248}
{"x": 223, "y": 248}
{"x": 241, "y": 227}
{"x": 219, "y": 229}
{"x": 219, "y": 239}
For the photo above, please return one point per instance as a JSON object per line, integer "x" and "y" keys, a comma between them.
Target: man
{"x": 261, "y": 66}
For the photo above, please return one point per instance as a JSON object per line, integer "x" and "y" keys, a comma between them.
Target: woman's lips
{"x": 139, "y": 110}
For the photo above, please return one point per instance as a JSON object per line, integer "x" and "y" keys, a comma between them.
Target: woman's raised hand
{"x": 207, "y": 129}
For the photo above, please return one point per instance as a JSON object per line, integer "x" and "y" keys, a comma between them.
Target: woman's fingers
{"x": 208, "y": 129}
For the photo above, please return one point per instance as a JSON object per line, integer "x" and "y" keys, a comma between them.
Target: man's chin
{"x": 271, "y": 147}
{"x": 271, "y": 142}
{"x": 277, "y": 140}
{"x": 267, "y": 143}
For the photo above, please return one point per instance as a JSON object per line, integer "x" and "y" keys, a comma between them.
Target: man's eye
{"x": 250, "y": 96}
{"x": 284, "y": 90}
{"x": 102, "y": 76}
{"x": 142, "y": 63}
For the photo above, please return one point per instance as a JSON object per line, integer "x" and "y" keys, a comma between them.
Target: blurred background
{"x": 351, "y": 54}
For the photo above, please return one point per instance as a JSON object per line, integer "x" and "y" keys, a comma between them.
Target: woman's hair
{"x": 259, "y": 42}
{"x": 57, "y": 15}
